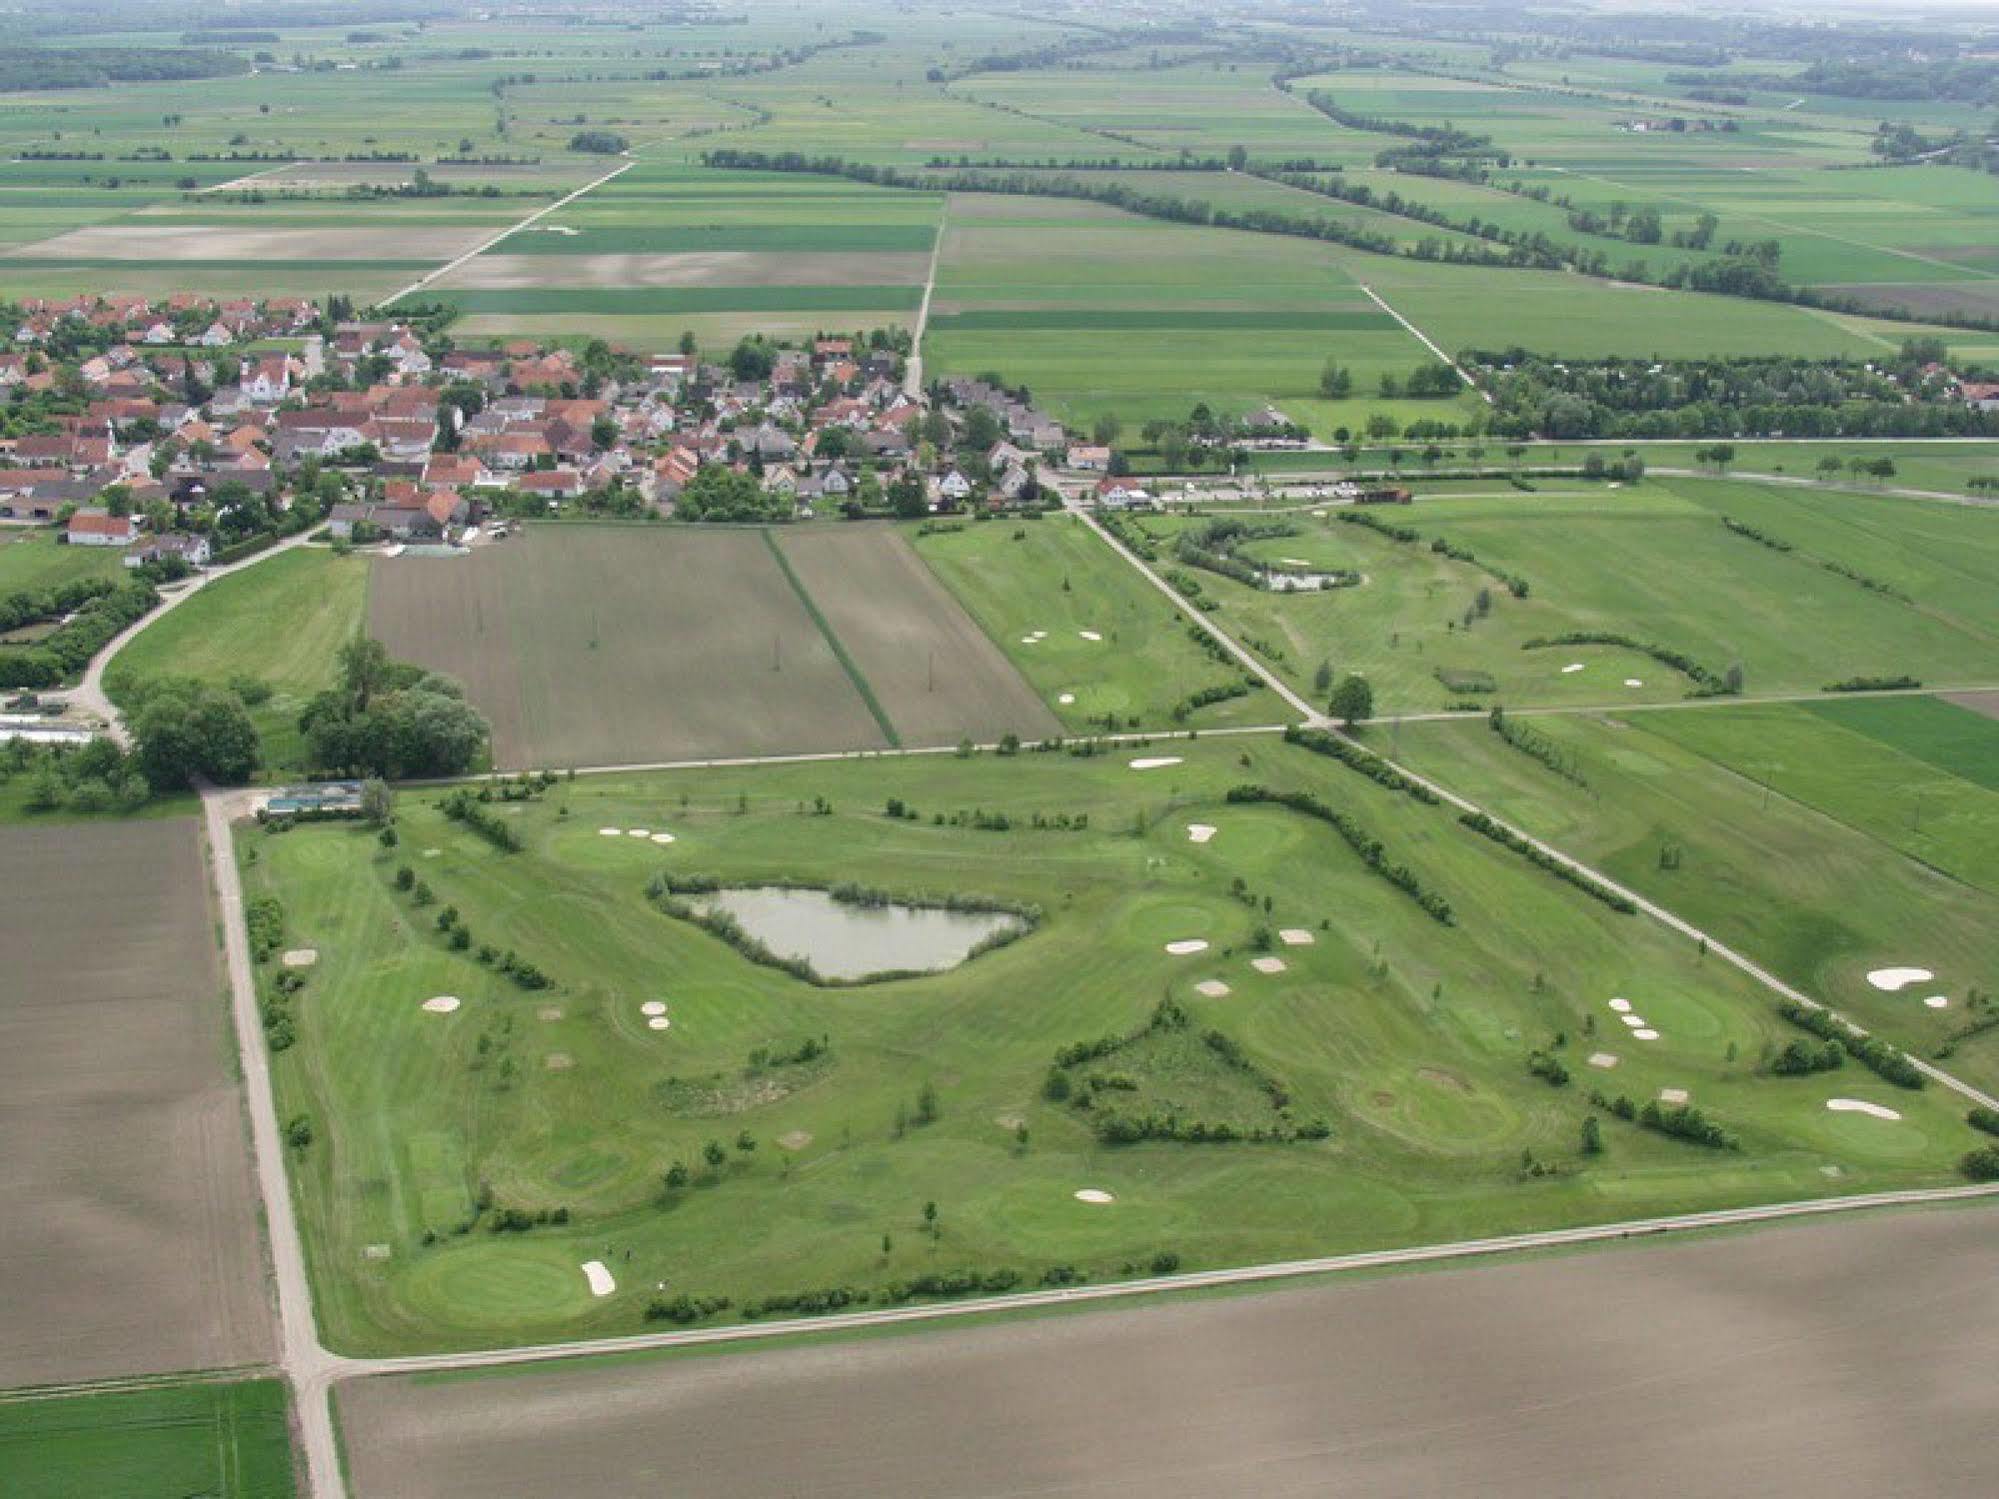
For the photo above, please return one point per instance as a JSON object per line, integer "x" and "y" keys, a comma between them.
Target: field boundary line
{"x": 540, "y": 213}
{"x": 847, "y": 663}
{"x": 1195, "y": 1280}
{"x": 1427, "y": 342}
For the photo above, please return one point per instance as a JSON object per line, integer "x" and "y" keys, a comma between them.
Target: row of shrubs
{"x": 1372, "y": 851}
{"x": 1478, "y": 822}
{"x": 264, "y": 925}
{"x": 1536, "y": 746}
{"x": 1681, "y": 1121}
{"x": 1872, "y": 1053}
{"x": 1351, "y": 755}
{"x": 463, "y": 806}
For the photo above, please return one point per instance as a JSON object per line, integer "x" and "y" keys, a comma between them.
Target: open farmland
{"x": 638, "y": 644}
{"x": 1261, "y": 1395}
{"x": 1655, "y": 563}
{"x": 1408, "y": 1037}
{"x": 1805, "y": 835}
{"x": 130, "y": 1244}
{"x": 162, "y": 1441}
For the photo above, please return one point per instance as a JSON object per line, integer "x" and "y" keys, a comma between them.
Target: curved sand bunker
{"x": 1892, "y": 980}
{"x": 1622, "y": 1006}
{"x": 300, "y": 957}
{"x": 1212, "y": 989}
{"x": 1155, "y": 762}
{"x": 1267, "y": 965}
{"x": 442, "y": 1004}
{"x": 1938, "y": 1001}
{"x": 653, "y": 1007}
{"x": 1199, "y": 832}
{"x": 610, "y": 832}
{"x": 1648, "y": 1034}
{"x": 1296, "y": 936}
{"x": 659, "y": 1023}
{"x": 1187, "y": 945}
{"x": 601, "y": 1283}
{"x": 1095, "y": 1196}
{"x": 662, "y": 837}
{"x": 1572, "y": 668}
{"x": 1861, "y": 1106}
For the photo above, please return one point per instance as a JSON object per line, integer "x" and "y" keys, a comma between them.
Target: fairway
{"x": 623, "y": 645}
{"x": 130, "y": 1244}
{"x": 1406, "y": 1038}
{"x": 166, "y": 1441}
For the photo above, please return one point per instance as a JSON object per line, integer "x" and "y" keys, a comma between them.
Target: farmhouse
{"x": 193, "y": 550}
{"x": 93, "y": 527}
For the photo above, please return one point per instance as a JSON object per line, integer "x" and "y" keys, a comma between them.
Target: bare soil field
{"x": 935, "y": 673}
{"x": 613, "y": 645}
{"x": 179, "y": 242}
{"x": 1927, "y": 298}
{"x": 1986, "y": 703}
{"x": 703, "y": 268}
{"x": 129, "y": 1244}
{"x": 1839, "y": 1359}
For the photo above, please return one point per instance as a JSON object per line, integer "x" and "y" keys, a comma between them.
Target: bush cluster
{"x": 1872, "y": 1053}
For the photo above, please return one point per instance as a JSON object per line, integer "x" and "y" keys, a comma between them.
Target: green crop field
{"x": 158, "y": 1442}
{"x": 1408, "y": 1038}
{"x": 1654, "y": 563}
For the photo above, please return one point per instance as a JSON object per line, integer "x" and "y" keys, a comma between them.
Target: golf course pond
{"x": 848, "y": 940}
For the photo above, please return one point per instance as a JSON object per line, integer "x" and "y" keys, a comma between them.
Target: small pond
{"x": 847, "y": 941}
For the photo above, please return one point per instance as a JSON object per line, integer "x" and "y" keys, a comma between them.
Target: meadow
{"x": 1824, "y": 840}
{"x": 1410, "y": 1039}
{"x": 161, "y": 1441}
{"x": 1655, "y": 563}
{"x": 33, "y": 559}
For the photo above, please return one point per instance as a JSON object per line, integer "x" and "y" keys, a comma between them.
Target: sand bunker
{"x": 1889, "y": 980}
{"x": 1094, "y": 1195}
{"x": 600, "y": 1280}
{"x": 442, "y": 1004}
{"x": 1296, "y": 936}
{"x": 1155, "y": 762}
{"x": 1622, "y": 1006}
{"x": 1294, "y": 561}
{"x": 1860, "y": 1106}
{"x": 1602, "y": 1059}
{"x": 610, "y": 832}
{"x": 549, "y": 1012}
{"x": 794, "y": 1139}
{"x": 1573, "y": 666}
{"x": 1636, "y": 1022}
{"x": 1089, "y": 634}
{"x": 1634, "y": 681}
{"x": 1199, "y": 832}
{"x": 1267, "y": 965}
{"x": 1066, "y": 699}
{"x": 1186, "y": 945}
{"x": 653, "y": 1007}
{"x": 659, "y": 1023}
{"x": 1938, "y": 1001}
{"x": 1647, "y": 1034}
{"x": 638, "y": 832}
{"x": 1212, "y": 989}
{"x": 662, "y": 837}
{"x": 300, "y": 957}
{"x": 1673, "y": 1095}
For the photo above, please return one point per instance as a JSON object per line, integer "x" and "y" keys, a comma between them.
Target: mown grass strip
{"x": 847, "y": 662}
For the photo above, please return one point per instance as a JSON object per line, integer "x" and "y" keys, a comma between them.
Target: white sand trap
{"x": 441, "y": 1004}
{"x": 600, "y": 1280}
{"x": 558, "y": 229}
{"x": 1938, "y": 1001}
{"x": 653, "y": 1007}
{"x": 1294, "y": 561}
{"x": 1891, "y": 979}
{"x": 610, "y": 832}
{"x": 1296, "y": 936}
{"x": 662, "y": 837}
{"x": 1861, "y": 1106}
{"x": 1636, "y": 1022}
{"x": 1267, "y": 965}
{"x": 1155, "y": 762}
{"x": 1602, "y": 1059}
{"x": 1028, "y": 639}
{"x": 1634, "y": 681}
{"x": 638, "y": 832}
{"x": 1094, "y": 1195}
{"x": 1199, "y": 832}
{"x": 659, "y": 1023}
{"x": 1187, "y": 945}
{"x": 1572, "y": 667}
{"x": 549, "y": 1012}
{"x": 300, "y": 957}
{"x": 794, "y": 1139}
{"x": 1622, "y": 1006}
{"x": 1673, "y": 1095}
{"x": 1066, "y": 699}
{"x": 1212, "y": 989}
{"x": 432, "y": 853}
{"x": 1090, "y": 635}
{"x": 1318, "y": 515}
{"x": 1648, "y": 1034}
